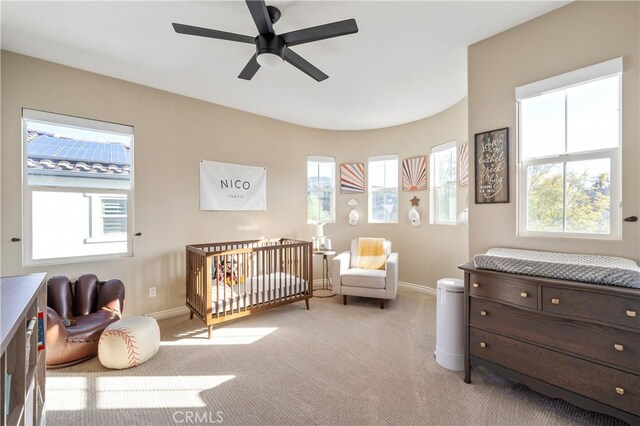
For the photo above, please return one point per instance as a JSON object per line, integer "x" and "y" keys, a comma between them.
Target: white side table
{"x": 326, "y": 280}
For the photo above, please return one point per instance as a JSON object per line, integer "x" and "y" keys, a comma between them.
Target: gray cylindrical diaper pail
{"x": 450, "y": 324}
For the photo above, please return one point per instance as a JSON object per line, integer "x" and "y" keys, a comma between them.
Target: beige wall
{"x": 574, "y": 36}
{"x": 172, "y": 133}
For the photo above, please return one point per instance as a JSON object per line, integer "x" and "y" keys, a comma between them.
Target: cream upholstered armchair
{"x": 350, "y": 278}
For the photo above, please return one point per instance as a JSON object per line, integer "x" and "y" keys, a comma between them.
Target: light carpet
{"x": 331, "y": 365}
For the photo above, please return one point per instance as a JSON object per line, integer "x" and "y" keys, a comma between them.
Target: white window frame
{"x": 332, "y": 161}
{"x": 97, "y": 220}
{"x": 371, "y": 190}
{"x": 433, "y": 216}
{"x": 578, "y": 77}
{"x": 28, "y": 190}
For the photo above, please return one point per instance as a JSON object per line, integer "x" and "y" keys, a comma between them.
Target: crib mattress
{"x": 265, "y": 288}
{"x": 594, "y": 269}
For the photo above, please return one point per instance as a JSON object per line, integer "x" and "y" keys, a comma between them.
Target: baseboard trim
{"x": 169, "y": 313}
{"x": 417, "y": 287}
{"x": 183, "y": 310}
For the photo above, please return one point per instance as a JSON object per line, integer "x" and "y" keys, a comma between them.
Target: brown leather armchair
{"x": 77, "y": 313}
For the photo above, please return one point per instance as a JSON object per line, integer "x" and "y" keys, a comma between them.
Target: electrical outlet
{"x": 152, "y": 291}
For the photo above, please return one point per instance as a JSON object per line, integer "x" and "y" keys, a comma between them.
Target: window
{"x": 108, "y": 218}
{"x": 321, "y": 189}
{"x": 444, "y": 204}
{"x": 78, "y": 188}
{"x": 383, "y": 189}
{"x": 569, "y": 154}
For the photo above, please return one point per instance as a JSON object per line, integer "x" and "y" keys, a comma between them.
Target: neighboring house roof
{"x": 49, "y": 153}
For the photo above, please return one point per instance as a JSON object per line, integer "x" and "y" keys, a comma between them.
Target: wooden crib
{"x": 234, "y": 279}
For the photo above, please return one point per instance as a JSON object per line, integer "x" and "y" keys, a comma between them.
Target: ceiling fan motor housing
{"x": 270, "y": 43}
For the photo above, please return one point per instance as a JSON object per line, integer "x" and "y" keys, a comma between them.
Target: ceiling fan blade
{"x": 260, "y": 16}
{"x": 321, "y": 32}
{"x": 299, "y": 62}
{"x": 206, "y": 32}
{"x": 250, "y": 69}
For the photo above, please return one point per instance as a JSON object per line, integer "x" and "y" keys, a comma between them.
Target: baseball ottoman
{"x": 129, "y": 342}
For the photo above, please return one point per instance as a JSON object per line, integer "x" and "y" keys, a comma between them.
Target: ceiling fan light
{"x": 269, "y": 60}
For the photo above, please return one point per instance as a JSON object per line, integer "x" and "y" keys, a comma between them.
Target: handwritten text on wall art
{"x": 492, "y": 166}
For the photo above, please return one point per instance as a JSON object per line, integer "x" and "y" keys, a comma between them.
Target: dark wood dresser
{"x": 575, "y": 341}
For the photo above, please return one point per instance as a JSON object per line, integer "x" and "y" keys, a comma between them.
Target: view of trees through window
{"x": 586, "y": 207}
{"x": 569, "y": 149}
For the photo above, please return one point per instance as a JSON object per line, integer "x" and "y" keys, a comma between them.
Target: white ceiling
{"x": 408, "y": 60}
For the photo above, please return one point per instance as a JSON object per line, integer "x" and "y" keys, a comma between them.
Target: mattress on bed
{"x": 588, "y": 268}
{"x": 265, "y": 288}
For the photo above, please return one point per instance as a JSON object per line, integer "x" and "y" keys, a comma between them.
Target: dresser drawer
{"x": 607, "y": 385}
{"x": 601, "y": 307}
{"x": 599, "y": 342}
{"x": 506, "y": 290}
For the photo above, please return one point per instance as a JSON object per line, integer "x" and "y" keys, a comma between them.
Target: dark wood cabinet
{"x": 575, "y": 341}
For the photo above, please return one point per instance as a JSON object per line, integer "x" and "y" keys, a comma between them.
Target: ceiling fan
{"x": 271, "y": 48}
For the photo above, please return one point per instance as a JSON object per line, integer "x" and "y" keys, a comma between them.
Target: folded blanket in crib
{"x": 371, "y": 253}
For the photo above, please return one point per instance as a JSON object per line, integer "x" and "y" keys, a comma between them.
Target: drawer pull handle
{"x": 631, "y": 314}
{"x": 476, "y": 285}
{"x": 619, "y": 391}
{"x": 484, "y": 345}
{"x": 524, "y": 294}
{"x": 555, "y": 301}
{"x": 618, "y": 347}
{"x": 483, "y": 313}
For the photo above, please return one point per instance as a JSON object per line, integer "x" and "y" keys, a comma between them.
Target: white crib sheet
{"x": 275, "y": 285}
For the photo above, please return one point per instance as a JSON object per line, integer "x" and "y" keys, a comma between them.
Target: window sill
{"x": 76, "y": 259}
{"x": 572, "y": 236}
{"x": 104, "y": 239}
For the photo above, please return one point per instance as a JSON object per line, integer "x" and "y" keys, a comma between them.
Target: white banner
{"x": 225, "y": 186}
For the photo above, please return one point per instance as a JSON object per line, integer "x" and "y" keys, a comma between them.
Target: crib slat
{"x": 266, "y": 274}
{"x": 287, "y": 277}
{"x": 297, "y": 271}
{"x": 217, "y": 286}
{"x": 243, "y": 279}
{"x": 206, "y": 284}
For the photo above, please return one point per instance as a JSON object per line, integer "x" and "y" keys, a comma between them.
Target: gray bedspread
{"x": 588, "y": 268}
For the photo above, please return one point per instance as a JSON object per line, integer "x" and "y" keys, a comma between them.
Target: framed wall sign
{"x": 492, "y": 166}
